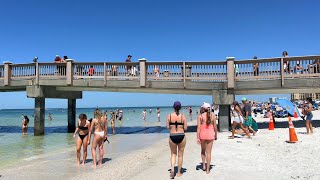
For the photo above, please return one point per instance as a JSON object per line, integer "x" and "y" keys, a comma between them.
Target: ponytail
{"x": 208, "y": 117}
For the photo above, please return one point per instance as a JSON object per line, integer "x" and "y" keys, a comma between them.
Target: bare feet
{"x": 78, "y": 163}
{"x": 179, "y": 174}
{"x": 171, "y": 174}
{"x": 83, "y": 162}
{"x": 208, "y": 172}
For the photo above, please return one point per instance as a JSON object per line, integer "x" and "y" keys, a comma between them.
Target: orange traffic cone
{"x": 271, "y": 125}
{"x": 295, "y": 114}
{"x": 292, "y": 133}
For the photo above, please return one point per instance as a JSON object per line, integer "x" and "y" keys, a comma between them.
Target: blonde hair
{"x": 97, "y": 114}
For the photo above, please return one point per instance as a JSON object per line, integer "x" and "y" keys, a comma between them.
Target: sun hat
{"x": 176, "y": 104}
{"x": 205, "y": 105}
{"x": 244, "y": 99}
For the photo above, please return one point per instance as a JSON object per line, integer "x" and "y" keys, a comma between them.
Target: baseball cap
{"x": 176, "y": 104}
{"x": 244, "y": 99}
{"x": 205, "y": 105}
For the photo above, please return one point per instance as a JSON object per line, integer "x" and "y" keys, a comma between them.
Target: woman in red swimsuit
{"x": 206, "y": 134}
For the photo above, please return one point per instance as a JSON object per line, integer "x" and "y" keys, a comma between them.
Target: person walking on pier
{"x": 177, "y": 125}
{"x": 255, "y": 67}
{"x": 100, "y": 134}
{"x": 286, "y": 63}
{"x": 25, "y": 122}
{"x": 83, "y": 130}
{"x": 129, "y": 67}
{"x": 206, "y": 134}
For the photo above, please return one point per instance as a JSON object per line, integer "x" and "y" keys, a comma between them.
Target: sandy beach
{"x": 266, "y": 156}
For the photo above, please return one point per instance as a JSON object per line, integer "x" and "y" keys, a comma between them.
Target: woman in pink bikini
{"x": 206, "y": 134}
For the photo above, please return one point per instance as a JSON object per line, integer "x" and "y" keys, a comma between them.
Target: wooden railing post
{"x": 37, "y": 73}
{"x": 282, "y": 72}
{"x": 7, "y": 73}
{"x": 143, "y": 72}
{"x": 184, "y": 74}
{"x": 230, "y": 72}
{"x": 105, "y": 74}
{"x": 69, "y": 72}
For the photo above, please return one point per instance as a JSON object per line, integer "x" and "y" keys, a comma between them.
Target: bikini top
{"x": 82, "y": 127}
{"x": 176, "y": 123}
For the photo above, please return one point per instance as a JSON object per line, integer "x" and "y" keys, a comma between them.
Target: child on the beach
{"x": 83, "y": 130}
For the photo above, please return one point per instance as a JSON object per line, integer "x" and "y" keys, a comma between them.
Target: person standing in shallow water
{"x": 112, "y": 121}
{"x": 83, "y": 130}
{"x": 100, "y": 134}
{"x": 25, "y": 122}
{"x": 177, "y": 124}
{"x": 144, "y": 115}
{"x": 158, "y": 114}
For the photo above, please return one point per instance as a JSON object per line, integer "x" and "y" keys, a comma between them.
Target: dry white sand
{"x": 266, "y": 156}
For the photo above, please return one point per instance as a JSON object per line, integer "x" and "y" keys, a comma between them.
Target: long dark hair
{"x": 310, "y": 100}
{"x": 177, "y": 109}
{"x": 208, "y": 116}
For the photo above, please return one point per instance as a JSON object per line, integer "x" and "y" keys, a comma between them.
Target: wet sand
{"x": 266, "y": 156}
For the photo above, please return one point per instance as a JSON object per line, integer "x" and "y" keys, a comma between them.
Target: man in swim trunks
{"x": 246, "y": 112}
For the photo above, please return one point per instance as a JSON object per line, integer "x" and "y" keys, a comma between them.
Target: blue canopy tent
{"x": 290, "y": 107}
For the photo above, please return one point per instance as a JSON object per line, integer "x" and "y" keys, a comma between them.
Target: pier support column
{"x": 224, "y": 118}
{"x": 39, "y": 112}
{"x": 71, "y": 115}
{"x": 224, "y": 98}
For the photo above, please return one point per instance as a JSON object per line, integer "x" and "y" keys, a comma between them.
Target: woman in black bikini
{"x": 82, "y": 129}
{"x": 177, "y": 124}
{"x": 25, "y": 123}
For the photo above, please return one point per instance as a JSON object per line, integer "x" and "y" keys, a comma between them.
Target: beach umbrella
{"x": 290, "y": 107}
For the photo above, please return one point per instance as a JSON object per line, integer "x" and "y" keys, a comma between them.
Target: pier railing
{"x": 229, "y": 71}
{"x": 277, "y": 68}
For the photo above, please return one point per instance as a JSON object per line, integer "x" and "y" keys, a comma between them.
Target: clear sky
{"x": 163, "y": 30}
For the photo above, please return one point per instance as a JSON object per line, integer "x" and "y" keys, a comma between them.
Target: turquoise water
{"x": 14, "y": 146}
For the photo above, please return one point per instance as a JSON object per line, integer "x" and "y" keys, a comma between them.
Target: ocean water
{"x": 14, "y": 146}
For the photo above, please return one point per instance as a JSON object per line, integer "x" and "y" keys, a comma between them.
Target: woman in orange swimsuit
{"x": 206, "y": 134}
{"x": 100, "y": 134}
{"x": 177, "y": 124}
{"x": 83, "y": 130}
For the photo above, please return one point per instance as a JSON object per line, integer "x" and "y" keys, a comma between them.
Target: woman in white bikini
{"x": 100, "y": 134}
{"x": 237, "y": 119}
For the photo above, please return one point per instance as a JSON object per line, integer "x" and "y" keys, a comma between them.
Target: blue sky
{"x": 157, "y": 30}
